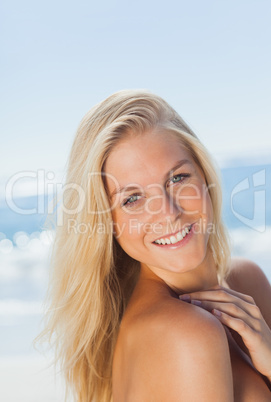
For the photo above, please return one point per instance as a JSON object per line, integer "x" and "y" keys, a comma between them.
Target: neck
{"x": 201, "y": 277}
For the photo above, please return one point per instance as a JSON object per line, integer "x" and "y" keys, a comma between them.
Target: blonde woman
{"x": 147, "y": 304}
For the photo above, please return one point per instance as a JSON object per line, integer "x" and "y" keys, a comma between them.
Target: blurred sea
{"x": 25, "y": 247}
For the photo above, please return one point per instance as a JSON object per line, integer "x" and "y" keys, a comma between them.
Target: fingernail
{"x": 217, "y": 312}
{"x": 185, "y": 297}
{"x": 196, "y": 302}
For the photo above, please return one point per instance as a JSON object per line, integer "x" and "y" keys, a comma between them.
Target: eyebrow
{"x": 132, "y": 187}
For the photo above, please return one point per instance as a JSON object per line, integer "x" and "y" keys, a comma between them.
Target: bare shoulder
{"x": 245, "y": 269}
{"x": 186, "y": 351}
{"x": 247, "y": 277}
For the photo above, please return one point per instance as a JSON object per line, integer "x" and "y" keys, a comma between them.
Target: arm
{"x": 240, "y": 312}
{"x": 247, "y": 277}
{"x": 185, "y": 358}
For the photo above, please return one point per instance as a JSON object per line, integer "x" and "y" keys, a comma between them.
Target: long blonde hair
{"x": 92, "y": 277}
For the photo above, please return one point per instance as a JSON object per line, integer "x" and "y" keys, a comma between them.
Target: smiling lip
{"x": 174, "y": 234}
{"x": 178, "y": 244}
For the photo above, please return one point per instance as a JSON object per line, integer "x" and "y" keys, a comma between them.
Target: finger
{"x": 215, "y": 293}
{"x": 247, "y": 298}
{"x": 242, "y": 312}
{"x": 247, "y": 333}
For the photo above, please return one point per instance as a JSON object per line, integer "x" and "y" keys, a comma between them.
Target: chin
{"x": 184, "y": 264}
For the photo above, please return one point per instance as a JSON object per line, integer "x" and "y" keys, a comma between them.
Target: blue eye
{"x": 178, "y": 178}
{"x": 130, "y": 200}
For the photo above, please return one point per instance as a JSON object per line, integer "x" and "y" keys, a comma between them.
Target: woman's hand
{"x": 239, "y": 313}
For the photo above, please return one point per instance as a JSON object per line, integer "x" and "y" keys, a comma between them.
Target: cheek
{"x": 208, "y": 207}
{"x": 131, "y": 239}
{"x": 126, "y": 227}
{"x": 119, "y": 226}
{"x": 192, "y": 197}
{"x": 195, "y": 200}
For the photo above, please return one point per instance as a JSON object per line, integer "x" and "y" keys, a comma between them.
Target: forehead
{"x": 143, "y": 159}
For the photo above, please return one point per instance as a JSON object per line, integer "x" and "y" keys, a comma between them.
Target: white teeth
{"x": 174, "y": 239}
{"x": 179, "y": 236}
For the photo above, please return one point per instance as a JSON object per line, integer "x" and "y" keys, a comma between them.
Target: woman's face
{"x": 155, "y": 191}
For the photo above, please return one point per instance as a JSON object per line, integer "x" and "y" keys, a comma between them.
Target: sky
{"x": 211, "y": 60}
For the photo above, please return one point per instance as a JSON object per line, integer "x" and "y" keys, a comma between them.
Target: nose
{"x": 163, "y": 208}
